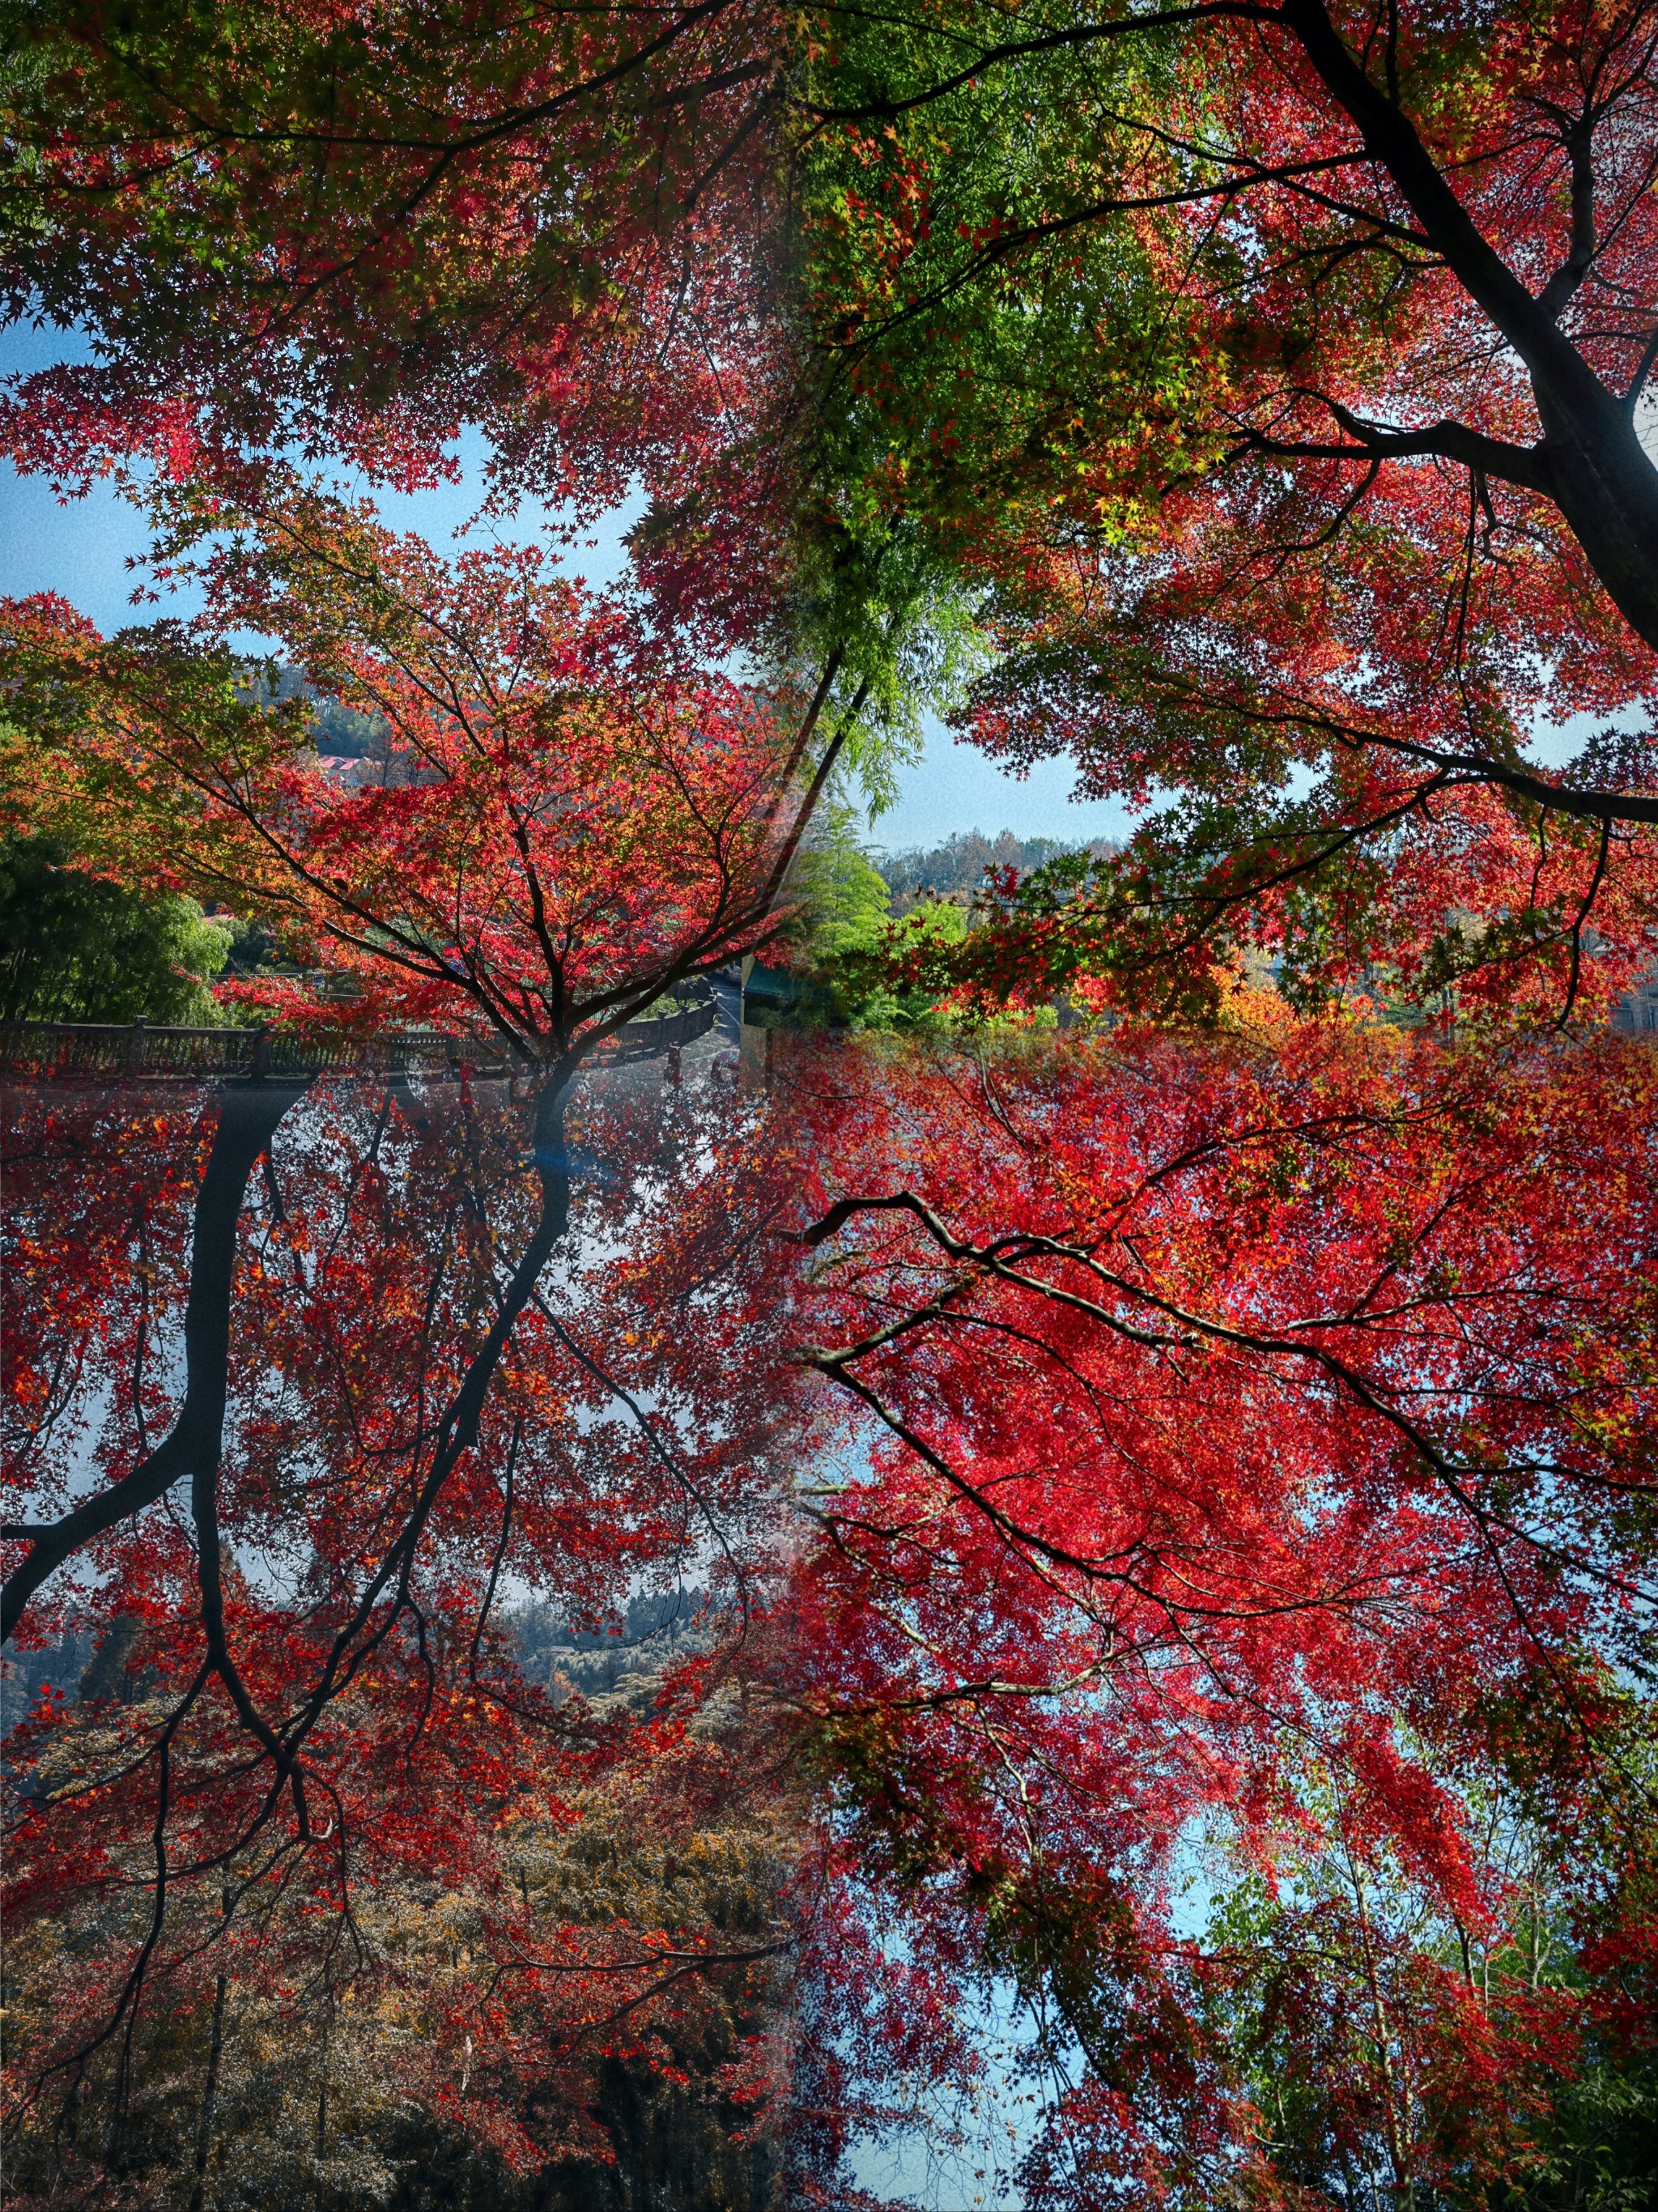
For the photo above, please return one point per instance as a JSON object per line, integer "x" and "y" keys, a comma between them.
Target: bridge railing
{"x": 102, "y": 1052}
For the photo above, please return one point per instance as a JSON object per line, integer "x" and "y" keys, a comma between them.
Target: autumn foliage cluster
{"x": 608, "y": 1607}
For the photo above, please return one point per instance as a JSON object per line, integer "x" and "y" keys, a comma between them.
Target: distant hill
{"x": 339, "y": 731}
{"x": 954, "y": 869}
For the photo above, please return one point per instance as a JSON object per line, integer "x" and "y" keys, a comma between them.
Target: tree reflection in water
{"x": 338, "y": 1861}
{"x": 639, "y": 1754}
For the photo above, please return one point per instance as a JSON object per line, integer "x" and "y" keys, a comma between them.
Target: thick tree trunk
{"x": 210, "y": 2097}
{"x": 1605, "y": 484}
{"x": 248, "y": 1116}
{"x": 1602, "y": 480}
{"x": 456, "y": 1434}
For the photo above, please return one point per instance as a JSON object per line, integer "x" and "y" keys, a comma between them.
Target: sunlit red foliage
{"x": 362, "y": 1812}
{"x": 572, "y": 814}
{"x": 1274, "y": 392}
{"x": 1232, "y": 1415}
{"x": 1207, "y": 1461}
{"x": 355, "y": 231}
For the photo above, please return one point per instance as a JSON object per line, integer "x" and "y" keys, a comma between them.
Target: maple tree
{"x": 1386, "y": 2039}
{"x": 475, "y": 1967}
{"x": 356, "y": 230}
{"x": 1226, "y": 1414}
{"x": 574, "y": 816}
{"x": 1256, "y": 297}
{"x": 1246, "y": 1431}
{"x": 571, "y": 820}
{"x": 359, "y": 233}
{"x": 1270, "y": 378}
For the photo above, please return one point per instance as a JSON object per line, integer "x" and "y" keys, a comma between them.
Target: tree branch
{"x": 248, "y": 1117}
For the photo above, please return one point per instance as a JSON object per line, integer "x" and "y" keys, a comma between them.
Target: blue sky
{"x": 84, "y": 551}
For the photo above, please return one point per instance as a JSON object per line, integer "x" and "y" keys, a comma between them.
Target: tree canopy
{"x": 590, "y": 1621}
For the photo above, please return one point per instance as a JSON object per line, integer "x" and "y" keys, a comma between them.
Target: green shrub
{"x": 75, "y": 947}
